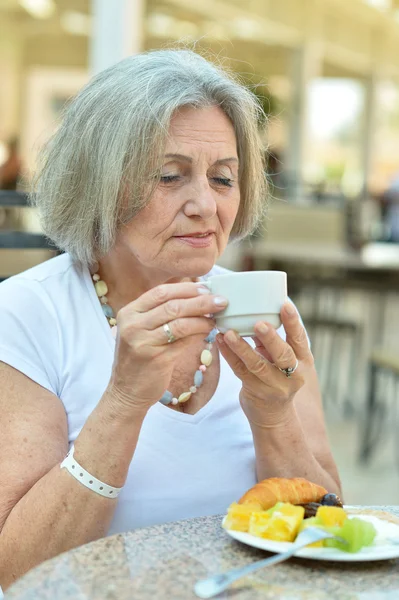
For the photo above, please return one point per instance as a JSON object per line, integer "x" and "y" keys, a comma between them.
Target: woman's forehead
{"x": 205, "y": 119}
{"x": 204, "y": 129}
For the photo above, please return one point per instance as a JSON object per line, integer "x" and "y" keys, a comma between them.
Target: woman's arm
{"x": 43, "y": 509}
{"x": 44, "y": 505}
{"x": 285, "y": 413}
{"x": 309, "y": 408}
{"x": 289, "y": 449}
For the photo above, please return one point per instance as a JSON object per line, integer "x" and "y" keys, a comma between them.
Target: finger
{"x": 182, "y": 308}
{"x": 295, "y": 331}
{"x": 181, "y": 329}
{"x": 281, "y": 353}
{"x": 252, "y": 361}
{"x": 165, "y": 292}
{"x": 237, "y": 366}
{"x": 261, "y": 349}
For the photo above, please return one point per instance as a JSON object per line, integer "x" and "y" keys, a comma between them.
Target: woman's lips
{"x": 196, "y": 241}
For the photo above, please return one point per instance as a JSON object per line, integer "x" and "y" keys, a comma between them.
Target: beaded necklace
{"x": 205, "y": 358}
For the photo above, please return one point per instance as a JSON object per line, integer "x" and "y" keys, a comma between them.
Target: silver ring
{"x": 290, "y": 370}
{"x": 167, "y": 330}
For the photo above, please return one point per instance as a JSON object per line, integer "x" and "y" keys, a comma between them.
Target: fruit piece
{"x": 331, "y": 500}
{"x": 357, "y": 532}
{"x": 331, "y": 516}
{"x": 281, "y": 523}
{"x": 277, "y": 506}
{"x": 259, "y": 524}
{"x": 238, "y": 516}
{"x": 311, "y": 522}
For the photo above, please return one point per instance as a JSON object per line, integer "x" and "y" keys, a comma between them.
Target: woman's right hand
{"x": 144, "y": 359}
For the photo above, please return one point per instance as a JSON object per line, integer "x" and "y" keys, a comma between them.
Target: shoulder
{"x": 51, "y": 268}
{"x": 44, "y": 277}
{"x": 37, "y": 308}
{"x": 44, "y": 293}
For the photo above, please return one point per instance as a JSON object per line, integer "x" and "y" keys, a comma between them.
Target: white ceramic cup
{"x": 253, "y": 296}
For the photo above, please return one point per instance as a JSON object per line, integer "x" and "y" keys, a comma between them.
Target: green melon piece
{"x": 311, "y": 522}
{"x": 357, "y": 532}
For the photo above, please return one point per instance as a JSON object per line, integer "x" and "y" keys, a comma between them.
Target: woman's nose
{"x": 202, "y": 202}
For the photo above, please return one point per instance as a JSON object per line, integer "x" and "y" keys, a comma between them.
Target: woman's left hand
{"x": 267, "y": 392}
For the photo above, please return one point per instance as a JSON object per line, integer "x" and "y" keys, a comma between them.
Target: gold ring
{"x": 167, "y": 330}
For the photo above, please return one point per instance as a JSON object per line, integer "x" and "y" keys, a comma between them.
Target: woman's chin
{"x": 194, "y": 267}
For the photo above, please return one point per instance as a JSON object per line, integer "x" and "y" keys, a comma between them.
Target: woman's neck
{"x": 127, "y": 279}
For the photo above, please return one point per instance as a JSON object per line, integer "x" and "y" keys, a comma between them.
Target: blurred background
{"x": 327, "y": 74}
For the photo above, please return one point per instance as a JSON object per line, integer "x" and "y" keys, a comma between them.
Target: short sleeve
{"x": 29, "y": 332}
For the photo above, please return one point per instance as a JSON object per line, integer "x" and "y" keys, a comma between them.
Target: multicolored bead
{"x": 206, "y": 358}
{"x": 211, "y": 336}
{"x": 101, "y": 288}
{"x": 107, "y": 310}
{"x": 167, "y": 398}
{"x": 184, "y": 397}
{"x": 198, "y": 378}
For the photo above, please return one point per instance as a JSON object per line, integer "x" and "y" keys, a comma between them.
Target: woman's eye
{"x": 223, "y": 181}
{"x": 169, "y": 178}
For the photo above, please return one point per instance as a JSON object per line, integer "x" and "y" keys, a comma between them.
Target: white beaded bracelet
{"x": 86, "y": 479}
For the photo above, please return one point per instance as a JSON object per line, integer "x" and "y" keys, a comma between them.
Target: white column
{"x": 370, "y": 100}
{"x": 117, "y": 31}
{"x": 306, "y": 65}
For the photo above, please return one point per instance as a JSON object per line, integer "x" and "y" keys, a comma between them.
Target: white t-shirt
{"x": 53, "y": 330}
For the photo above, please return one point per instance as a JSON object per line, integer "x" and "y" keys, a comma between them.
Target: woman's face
{"x": 186, "y": 225}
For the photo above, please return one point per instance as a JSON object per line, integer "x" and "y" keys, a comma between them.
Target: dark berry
{"x": 331, "y": 500}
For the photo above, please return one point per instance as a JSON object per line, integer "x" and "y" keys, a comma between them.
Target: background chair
{"x": 20, "y": 249}
{"x": 381, "y": 407}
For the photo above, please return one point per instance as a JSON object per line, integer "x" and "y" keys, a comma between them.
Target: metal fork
{"x": 210, "y": 587}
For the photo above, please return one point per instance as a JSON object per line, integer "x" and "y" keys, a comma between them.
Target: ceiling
{"x": 26, "y": 22}
{"x": 257, "y": 36}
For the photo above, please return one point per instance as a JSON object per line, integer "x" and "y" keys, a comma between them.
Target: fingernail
{"x": 232, "y": 336}
{"x": 290, "y": 308}
{"x": 203, "y": 290}
{"x": 220, "y": 339}
{"x": 220, "y": 301}
{"x": 262, "y": 328}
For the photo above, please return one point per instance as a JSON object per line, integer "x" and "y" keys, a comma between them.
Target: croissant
{"x": 266, "y": 493}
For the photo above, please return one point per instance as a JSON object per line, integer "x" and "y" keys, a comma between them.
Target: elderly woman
{"x": 157, "y": 165}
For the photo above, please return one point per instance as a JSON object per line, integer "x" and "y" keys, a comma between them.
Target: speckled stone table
{"x": 164, "y": 561}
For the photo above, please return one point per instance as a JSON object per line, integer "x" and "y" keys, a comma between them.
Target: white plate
{"x": 382, "y": 549}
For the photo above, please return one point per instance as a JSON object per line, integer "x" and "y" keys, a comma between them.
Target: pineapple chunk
{"x": 280, "y": 524}
{"x": 238, "y": 516}
{"x": 331, "y": 516}
{"x": 259, "y": 523}
{"x": 311, "y": 522}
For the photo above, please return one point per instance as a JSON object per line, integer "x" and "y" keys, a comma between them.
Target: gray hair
{"x": 103, "y": 163}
